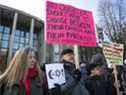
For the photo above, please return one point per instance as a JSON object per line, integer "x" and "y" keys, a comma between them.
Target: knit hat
{"x": 90, "y": 67}
{"x": 66, "y": 51}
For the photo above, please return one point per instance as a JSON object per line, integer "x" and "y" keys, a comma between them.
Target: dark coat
{"x": 97, "y": 86}
{"x": 36, "y": 89}
{"x": 124, "y": 72}
{"x": 73, "y": 85}
{"x": 1, "y": 89}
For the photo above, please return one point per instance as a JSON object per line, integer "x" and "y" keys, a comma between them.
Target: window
{"x": 7, "y": 30}
{"x": 17, "y": 33}
{"x": 16, "y": 39}
{"x": 27, "y": 41}
{"x": 5, "y": 37}
{"x": 35, "y": 40}
{"x": 4, "y": 44}
{"x": 27, "y": 35}
{"x": 21, "y": 38}
{"x": 15, "y": 45}
{"x": 0, "y": 36}
{"x": 1, "y": 28}
{"x": 21, "y": 45}
{"x": 22, "y": 34}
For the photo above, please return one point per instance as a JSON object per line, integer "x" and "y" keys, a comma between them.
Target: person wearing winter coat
{"x": 23, "y": 74}
{"x": 95, "y": 83}
{"x": 73, "y": 85}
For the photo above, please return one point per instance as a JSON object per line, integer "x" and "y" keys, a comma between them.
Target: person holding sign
{"x": 23, "y": 74}
{"x": 73, "y": 84}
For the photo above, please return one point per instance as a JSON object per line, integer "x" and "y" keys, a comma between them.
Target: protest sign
{"x": 113, "y": 53}
{"x": 55, "y": 74}
{"x": 68, "y": 25}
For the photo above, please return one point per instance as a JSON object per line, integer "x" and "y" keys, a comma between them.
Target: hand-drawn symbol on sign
{"x": 55, "y": 74}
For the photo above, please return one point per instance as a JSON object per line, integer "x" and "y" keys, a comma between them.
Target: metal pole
{"x": 31, "y": 32}
{"x": 12, "y": 37}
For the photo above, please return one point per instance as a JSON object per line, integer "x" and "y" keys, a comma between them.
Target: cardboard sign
{"x": 113, "y": 53}
{"x": 55, "y": 74}
{"x": 68, "y": 25}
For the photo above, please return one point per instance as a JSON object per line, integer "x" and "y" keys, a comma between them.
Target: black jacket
{"x": 97, "y": 86}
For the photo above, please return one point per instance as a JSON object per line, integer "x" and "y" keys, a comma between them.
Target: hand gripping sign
{"x": 55, "y": 74}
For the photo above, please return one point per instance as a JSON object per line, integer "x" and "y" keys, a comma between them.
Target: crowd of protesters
{"x": 25, "y": 76}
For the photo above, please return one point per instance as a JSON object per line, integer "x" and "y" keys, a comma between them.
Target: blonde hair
{"x": 18, "y": 66}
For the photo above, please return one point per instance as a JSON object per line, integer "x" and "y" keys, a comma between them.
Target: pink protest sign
{"x": 68, "y": 25}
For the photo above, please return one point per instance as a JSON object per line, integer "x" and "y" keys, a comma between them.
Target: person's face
{"x": 69, "y": 57}
{"x": 96, "y": 71}
{"x": 31, "y": 59}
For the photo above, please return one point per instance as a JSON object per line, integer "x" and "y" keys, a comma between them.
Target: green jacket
{"x": 36, "y": 89}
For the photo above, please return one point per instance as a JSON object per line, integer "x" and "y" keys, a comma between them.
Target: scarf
{"x": 31, "y": 73}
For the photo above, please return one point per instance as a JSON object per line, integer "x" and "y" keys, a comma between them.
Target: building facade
{"x": 18, "y": 29}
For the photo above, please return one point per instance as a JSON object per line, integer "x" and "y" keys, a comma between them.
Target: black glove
{"x": 77, "y": 75}
{"x": 56, "y": 90}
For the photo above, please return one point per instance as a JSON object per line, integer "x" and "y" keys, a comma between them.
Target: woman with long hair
{"x": 23, "y": 74}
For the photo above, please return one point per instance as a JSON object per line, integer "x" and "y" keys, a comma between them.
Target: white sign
{"x": 55, "y": 74}
{"x": 113, "y": 53}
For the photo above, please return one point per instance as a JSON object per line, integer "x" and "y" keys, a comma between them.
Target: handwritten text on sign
{"x": 113, "y": 53}
{"x": 68, "y": 25}
{"x": 55, "y": 74}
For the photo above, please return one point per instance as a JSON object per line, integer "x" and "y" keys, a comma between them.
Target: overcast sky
{"x": 37, "y": 7}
